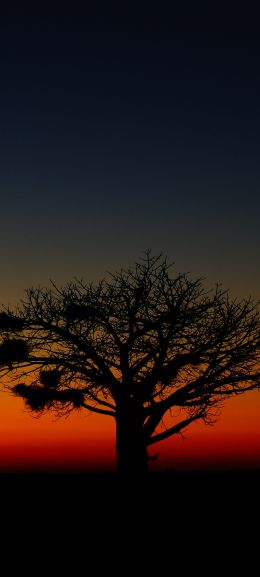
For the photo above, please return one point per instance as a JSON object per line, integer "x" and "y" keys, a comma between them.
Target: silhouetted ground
{"x": 172, "y": 491}
{"x": 172, "y": 480}
{"x": 172, "y": 519}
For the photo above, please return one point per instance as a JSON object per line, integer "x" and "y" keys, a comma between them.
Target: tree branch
{"x": 96, "y": 410}
{"x": 199, "y": 388}
{"x": 87, "y": 348}
{"x": 175, "y": 429}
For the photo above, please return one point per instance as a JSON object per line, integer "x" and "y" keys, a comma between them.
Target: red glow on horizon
{"x": 87, "y": 443}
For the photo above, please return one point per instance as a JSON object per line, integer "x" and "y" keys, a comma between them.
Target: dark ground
{"x": 172, "y": 492}
{"x": 173, "y": 520}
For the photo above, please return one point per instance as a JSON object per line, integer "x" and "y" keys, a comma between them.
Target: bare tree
{"x": 135, "y": 347}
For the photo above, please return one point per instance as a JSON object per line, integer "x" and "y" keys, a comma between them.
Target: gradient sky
{"x": 122, "y": 131}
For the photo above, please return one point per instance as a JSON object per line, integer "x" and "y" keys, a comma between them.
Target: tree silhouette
{"x": 138, "y": 346}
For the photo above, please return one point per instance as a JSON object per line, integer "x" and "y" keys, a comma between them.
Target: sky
{"x": 122, "y": 131}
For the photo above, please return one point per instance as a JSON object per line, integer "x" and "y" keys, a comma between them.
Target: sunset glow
{"x": 122, "y": 133}
{"x": 87, "y": 443}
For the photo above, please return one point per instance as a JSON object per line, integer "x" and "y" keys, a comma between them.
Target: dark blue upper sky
{"x": 127, "y": 130}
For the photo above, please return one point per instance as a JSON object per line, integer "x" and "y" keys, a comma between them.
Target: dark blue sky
{"x": 122, "y": 131}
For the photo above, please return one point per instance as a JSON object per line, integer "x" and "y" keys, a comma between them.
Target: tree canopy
{"x": 133, "y": 347}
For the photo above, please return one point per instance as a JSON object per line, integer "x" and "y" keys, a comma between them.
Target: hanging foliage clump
{"x": 13, "y": 351}
{"x": 10, "y": 322}
{"x": 78, "y": 312}
{"x": 50, "y": 378}
{"x": 38, "y": 398}
{"x": 73, "y": 396}
{"x": 20, "y": 390}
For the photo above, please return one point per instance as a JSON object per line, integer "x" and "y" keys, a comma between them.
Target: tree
{"x": 135, "y": 347}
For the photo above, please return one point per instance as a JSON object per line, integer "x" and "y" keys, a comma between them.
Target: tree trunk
{"x": 132, "y": 459}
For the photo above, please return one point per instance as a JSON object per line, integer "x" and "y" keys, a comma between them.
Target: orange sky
{"x": 88, "y": 442}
